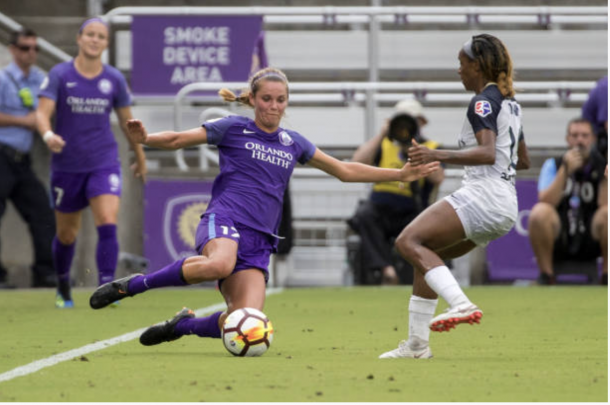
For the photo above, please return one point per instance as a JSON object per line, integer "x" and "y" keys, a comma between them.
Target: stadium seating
{"x": 339, "y": 53}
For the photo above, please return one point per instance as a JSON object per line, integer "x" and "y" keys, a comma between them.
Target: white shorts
{"x": 487, "y": 209}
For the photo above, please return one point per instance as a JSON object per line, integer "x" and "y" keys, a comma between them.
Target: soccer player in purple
{"x": 238, "y": 232}
{"x": 85, "y": 168}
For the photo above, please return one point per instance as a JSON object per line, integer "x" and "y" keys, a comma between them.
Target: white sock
{"x": 442, "y": 282}
{"x": 421, "y": 312}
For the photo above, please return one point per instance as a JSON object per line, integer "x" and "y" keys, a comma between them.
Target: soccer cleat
{"x": 465, "y": 313}
{"x": 164, "y": 332}
{"x": 63, "y": 304}
{"x": 546, "y": 279}
{"x": 111, "y": 292}
{"x": 404, "y": 351}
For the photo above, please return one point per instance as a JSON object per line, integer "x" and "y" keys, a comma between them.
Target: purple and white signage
{"x": 171, "y": 215}
{"x": 169, "y": 52}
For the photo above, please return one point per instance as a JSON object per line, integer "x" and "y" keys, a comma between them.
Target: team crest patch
{"x": 180, "y": 221}
{"x": 482, "y": 108}
{"x": 105, "y": 86}
{"x": 285, "y": 139}
{"x": 115, "y": 182}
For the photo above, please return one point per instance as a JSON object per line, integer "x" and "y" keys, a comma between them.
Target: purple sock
{"x": 203, "y": 327}
{"x": 170, "y": 275}
{"x": 107, "y": 253}
{"x": 62, "y": 260}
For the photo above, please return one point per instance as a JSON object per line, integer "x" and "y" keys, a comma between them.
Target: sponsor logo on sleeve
{"x": 482, "y": 108}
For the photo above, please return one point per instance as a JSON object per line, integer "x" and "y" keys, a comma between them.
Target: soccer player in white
{"x": 492, "y": 148}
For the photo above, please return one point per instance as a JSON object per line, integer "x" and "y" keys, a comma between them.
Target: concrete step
{"x": 63, "y": 8}
{"x": 110, "y": 4}
{"x": 60, "y": 31}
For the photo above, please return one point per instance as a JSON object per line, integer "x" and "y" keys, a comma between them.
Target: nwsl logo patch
{"x": 482, "y": 108}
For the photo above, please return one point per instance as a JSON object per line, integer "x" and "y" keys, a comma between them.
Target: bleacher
{"x": 331, "y": 48}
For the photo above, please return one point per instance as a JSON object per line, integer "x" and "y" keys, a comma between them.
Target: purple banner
{"x": 171, "y": 214}
{"x": 511, "y": 257}
{"x": 169, "y": 52}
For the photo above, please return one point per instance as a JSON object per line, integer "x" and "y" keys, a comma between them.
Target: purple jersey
{"x": 83, "y": 108}
{"x": 255, "y": 167}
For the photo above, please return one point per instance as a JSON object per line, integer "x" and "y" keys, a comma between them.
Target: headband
{"x": 270, "y": 74}
{"x": 467, "y": 48}
{"x": 90, "y": 21}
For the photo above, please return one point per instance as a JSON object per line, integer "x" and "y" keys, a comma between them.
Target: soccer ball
{"x": 247, "y": 332}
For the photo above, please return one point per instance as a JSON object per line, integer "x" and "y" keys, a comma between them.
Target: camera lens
{"x": 403, "y": 128}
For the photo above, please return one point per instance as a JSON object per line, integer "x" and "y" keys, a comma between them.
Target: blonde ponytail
{"x": 230, "y": 97}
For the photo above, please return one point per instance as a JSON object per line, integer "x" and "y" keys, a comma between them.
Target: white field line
{"x": 81, "y": 351}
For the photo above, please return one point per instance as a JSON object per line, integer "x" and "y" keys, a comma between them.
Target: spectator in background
{"x": 86, "y": 170}
{"x": 570, "y": 221}
{"x": 595, "y": 110}
{"x": 19, "y": 83}
{"x": 391, "y": 205}
{"x": 259, "y": 54}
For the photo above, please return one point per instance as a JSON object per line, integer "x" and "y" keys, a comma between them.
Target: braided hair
{"x": 495, "y": 62}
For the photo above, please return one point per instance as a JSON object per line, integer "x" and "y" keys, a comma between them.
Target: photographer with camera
{"x": 391, "y": 205}
{"x": 19, "y": 84}
{"x": 570, "y": 220}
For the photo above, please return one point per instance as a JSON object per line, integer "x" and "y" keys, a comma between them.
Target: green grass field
{"x": 534, "y": 344}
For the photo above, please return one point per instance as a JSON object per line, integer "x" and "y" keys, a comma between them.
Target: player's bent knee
{"x": 405, "y": 244}
{"x": 541, "y": 213}
{"x": 221, "y": 269}
{"x": 600, "y": 222}
{"x": 66, "y": 237}
{"x": 208, "y": 270}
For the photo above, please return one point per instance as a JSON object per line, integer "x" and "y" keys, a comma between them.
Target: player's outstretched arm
{"x": 357, "y": 172}
{"x": 139, "y": 166}
{"x": 482, "y": 154}
{"x": 169, "y": 140}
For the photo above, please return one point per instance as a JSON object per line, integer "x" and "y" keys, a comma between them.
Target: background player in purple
{"x": 85, "y": 168}
{"x": 237, "y": 233}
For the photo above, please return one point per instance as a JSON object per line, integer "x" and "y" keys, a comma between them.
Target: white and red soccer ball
{"x": 247, "y": 332}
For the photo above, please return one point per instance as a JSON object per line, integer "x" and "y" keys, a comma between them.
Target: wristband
{"x": 48, "y": 135}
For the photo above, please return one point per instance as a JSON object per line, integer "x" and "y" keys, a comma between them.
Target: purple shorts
{"x": 71, "y": 192}
{"x": 254, "y": 247}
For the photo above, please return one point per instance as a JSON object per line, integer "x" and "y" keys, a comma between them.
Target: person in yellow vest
{"x": 391, "y": 205}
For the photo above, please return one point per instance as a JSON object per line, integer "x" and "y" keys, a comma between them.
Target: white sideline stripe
{"x": 81, "y": 351}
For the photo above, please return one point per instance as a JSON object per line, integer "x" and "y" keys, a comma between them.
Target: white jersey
{"x": 491, "y": 110}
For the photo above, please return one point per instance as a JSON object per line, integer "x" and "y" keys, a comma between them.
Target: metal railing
{"x": 553, "y": 92}
{"x": 11, "y": 25}
{"x": 542, "y": 15}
